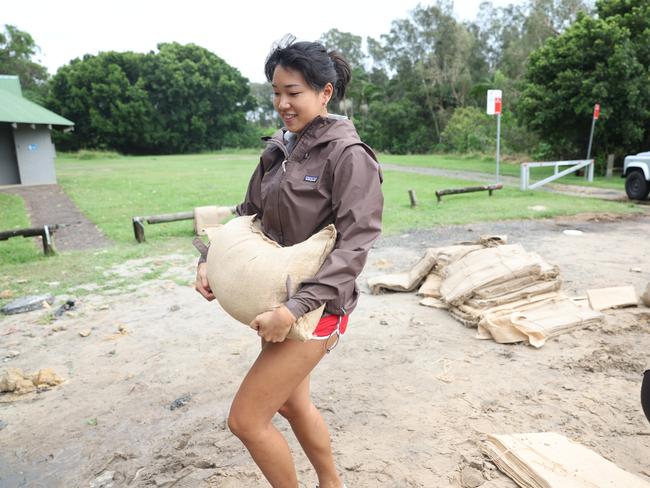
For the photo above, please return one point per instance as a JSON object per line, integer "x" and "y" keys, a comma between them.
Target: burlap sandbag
{"x": 210, "y": 216}
{"x": 248, "y": 272}
{"x": 550, "y": 460}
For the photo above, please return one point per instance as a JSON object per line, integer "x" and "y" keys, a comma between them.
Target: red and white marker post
{"x": 593, "y": 124}
{"x": 494, "y": 98}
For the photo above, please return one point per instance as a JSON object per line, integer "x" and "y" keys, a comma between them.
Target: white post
{"x": 523, "y": 177}
{"x": 498, "y": 142}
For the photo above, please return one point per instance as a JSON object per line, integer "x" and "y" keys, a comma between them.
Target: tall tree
{"x": 200, "y": 100}
{"x": 17, "y": 50}
{"x": 595, "y": 60}
{"x": 264, "y": 113}
{"x": 428, "y": 55}
{"x": 347, "y": 44}
{"x": 182, "y": 98}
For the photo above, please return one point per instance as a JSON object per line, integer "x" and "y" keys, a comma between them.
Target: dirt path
{"x": 409, "y": 394}
{"x": 575, "y": 190}
{"x": 47, "y": 205}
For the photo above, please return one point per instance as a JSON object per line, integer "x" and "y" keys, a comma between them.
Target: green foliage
{"x": 397, "y": 127}
{"x": 469, "y": 129}
{"x": 179, "y": 99}
{"x": 17, "y": 49}
{"x": 596, "y": 60}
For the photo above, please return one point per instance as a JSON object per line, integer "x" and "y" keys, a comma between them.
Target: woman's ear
{"x": 327, "y": 93}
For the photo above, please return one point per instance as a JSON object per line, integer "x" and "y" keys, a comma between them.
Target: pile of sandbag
{"x": 550, "y": 460}
{"x": 509, "y": 294}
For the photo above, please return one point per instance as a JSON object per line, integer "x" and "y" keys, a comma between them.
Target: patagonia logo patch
{"x": 311, "y": 179}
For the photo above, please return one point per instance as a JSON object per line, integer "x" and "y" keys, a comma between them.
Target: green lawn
{"x": 111, "y": 190}
{"x": 483, "y": 164}
{"x": 506, "y": 204}
{"x": 14, "y": 216}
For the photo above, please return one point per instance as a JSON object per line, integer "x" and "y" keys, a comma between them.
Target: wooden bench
{"x": 46, "y": 232}
{"x": 138, "y": 222}
{"x": 455, "y": 191}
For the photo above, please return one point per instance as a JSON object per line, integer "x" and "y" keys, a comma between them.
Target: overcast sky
{"x": 239, "y": 31}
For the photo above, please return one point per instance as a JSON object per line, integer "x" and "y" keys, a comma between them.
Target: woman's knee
{"x": 243, "y": 426}
{"x": 293, "y": 410}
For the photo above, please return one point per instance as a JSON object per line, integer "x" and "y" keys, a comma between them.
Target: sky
{"x": 240, "y": 31}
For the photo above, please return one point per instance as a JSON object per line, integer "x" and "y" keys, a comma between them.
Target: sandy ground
{"x": 409, "y": 394}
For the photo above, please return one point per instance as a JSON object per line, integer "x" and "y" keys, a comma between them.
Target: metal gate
{"x": 574, "y": 166}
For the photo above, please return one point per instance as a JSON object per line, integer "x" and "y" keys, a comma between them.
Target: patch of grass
{"x": 14, "y": 216}
{"x": 64, "y": 273}
{"x": 112, "y": 191}
{"x": 89, "y": 154}
{"x": 506, "y": 204}
{"x": 486, "y": 164}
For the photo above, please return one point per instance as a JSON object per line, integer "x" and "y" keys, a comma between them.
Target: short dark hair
{"x": 312, "y": 60}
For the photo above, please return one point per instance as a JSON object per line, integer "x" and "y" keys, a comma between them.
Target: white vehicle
{"x": 636, "y": 171}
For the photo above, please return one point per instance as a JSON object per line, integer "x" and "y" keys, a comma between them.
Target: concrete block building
{"x": 26, "y": 150}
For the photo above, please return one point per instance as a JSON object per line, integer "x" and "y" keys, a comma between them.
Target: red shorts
{"x": 329, "y": 324}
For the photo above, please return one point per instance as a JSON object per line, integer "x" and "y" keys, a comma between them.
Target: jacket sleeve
{"x": 357, "y": 203}
{"x": 251, "y": 204}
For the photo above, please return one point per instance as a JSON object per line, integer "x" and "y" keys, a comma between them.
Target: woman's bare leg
{"x": 278, "y": 371}
{"x": 312, "y": 433}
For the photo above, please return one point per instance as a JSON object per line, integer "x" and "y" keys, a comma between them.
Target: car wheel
{"x": 636, "y": 186}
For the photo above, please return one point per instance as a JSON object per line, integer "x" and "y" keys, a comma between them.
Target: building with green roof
{"x": 26, "y": 150}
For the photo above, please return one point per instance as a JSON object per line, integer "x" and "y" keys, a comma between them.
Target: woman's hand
{"x": 201, "y": 285}
{"x": 274, "y": 326}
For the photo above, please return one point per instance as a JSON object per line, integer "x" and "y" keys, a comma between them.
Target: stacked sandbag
{"x": 550, "y": 460}
{"x": 509, "y": 294}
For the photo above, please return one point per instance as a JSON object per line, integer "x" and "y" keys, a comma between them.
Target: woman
{"x": 314, "y": 172}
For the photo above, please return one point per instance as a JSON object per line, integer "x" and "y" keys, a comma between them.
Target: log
{"x": 45, "y": 233}
{"x": 469, "y": 189}
{"x": 172, "y": 217}
{"x": 28, "y": 232}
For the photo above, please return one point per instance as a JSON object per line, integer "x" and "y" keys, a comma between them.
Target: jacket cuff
{"x": 202, "y": 248}
{"x": 296, "y": 308}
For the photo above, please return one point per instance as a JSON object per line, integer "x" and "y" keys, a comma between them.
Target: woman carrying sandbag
{"x": 314, "y": 172}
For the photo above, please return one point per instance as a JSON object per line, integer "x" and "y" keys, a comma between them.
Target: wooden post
{"x": 610, "y": 165}
{"x": 138, "y": 229}
{"x": 48, "y": 247}
{"x": 413, "y": 199}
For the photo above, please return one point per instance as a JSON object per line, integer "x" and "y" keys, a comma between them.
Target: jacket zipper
{"x": 283, "y": 148}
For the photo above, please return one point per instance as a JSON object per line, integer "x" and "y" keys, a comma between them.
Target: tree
{"x": 264, "y": 113}
{"x": 428, "y": 55}
{"x": 200, "y": 100}
{"x": 17, "y": 48}
{"x": 345, "y": 43}
{"x": 182, "y": 98}
{"x": 105, "y": 96}
{"x": 595, "y": 60}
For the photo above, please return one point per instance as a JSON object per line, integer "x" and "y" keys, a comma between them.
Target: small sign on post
{"x": 494, "y": 98}
{"x": 593, "y": 125}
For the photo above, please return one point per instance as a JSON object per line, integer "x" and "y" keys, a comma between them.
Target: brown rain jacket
{"x": 329, "y": 177}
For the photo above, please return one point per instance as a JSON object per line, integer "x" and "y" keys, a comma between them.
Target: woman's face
{"x": 295, "y": 100}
